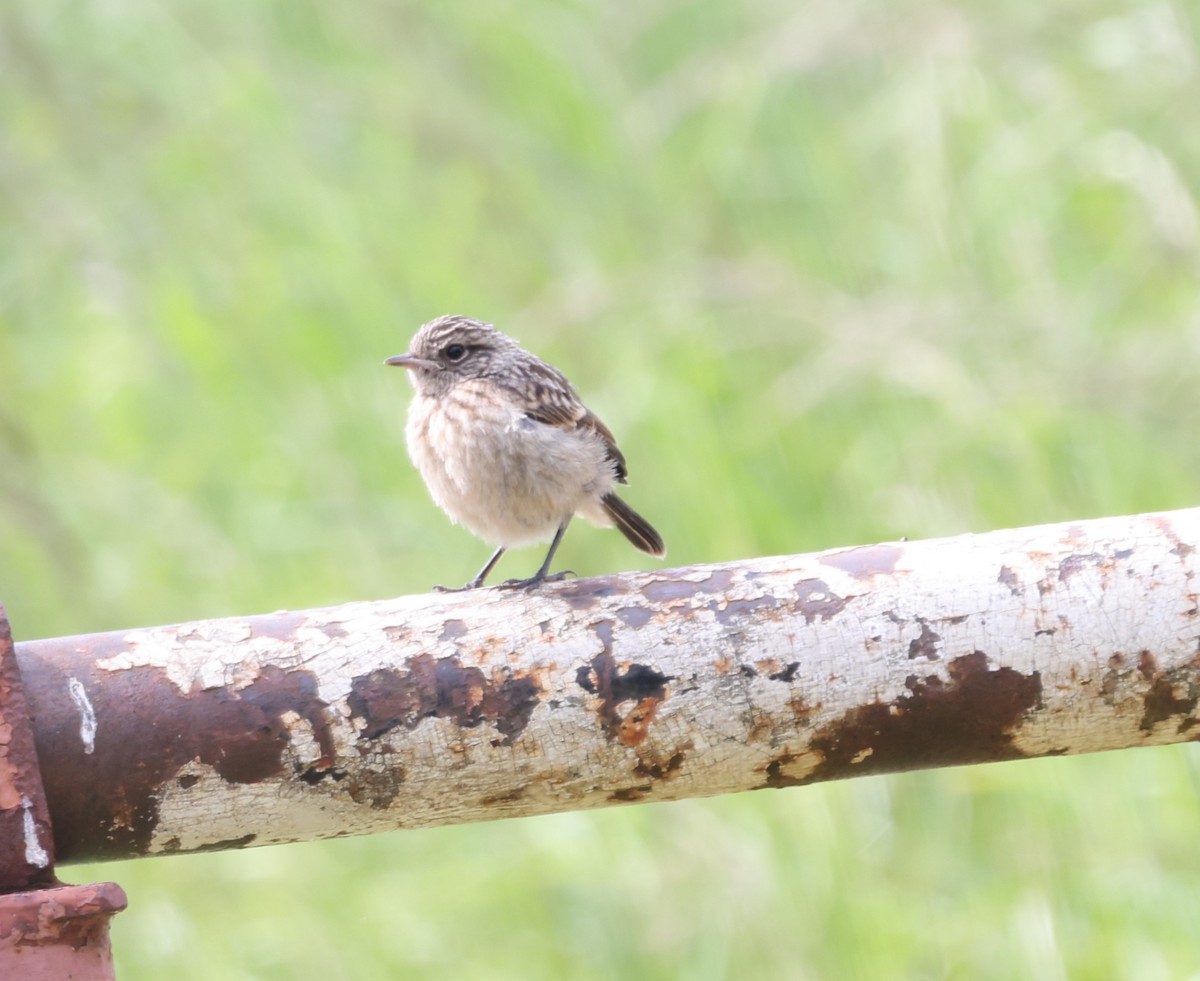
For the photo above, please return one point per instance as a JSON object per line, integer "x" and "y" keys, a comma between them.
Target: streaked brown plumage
{"x": 505, "y": 445}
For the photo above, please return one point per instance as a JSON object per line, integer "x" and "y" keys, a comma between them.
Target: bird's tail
{"x": 633, "y": 526}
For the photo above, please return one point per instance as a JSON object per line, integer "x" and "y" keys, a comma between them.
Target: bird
{"x": 507, "y": 448}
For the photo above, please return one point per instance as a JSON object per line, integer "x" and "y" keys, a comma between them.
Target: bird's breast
{"x": 508, "y": 478}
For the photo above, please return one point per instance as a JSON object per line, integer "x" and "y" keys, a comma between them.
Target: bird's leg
{"x": 478, "y": 580}
{"x": 542, "y": 575}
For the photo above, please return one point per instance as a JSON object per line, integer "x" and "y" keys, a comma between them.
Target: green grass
{"x": 833, "y": 273}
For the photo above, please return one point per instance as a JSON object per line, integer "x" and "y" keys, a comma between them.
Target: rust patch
{"x": 801, "y": 710}
{"x": 730, "y": 612}
{"x": 442, "y": 688}
{"x": 925, "y": 645}
{"x": 1179, "y": 547}
{"x": 1161, "y": 703}
{"x": 1074, "y": 564}
{"x": 663, "y": 770}
{"x": 586, "y": 594}
{"x": 23, "y": 808}
{"x": 970, "y": 719}
{"x": 776, "y": 777}
{"x": 72, "y": 917}
{"x": 1010, "y": 579}
{"x": 105, "y": 804}
{"x": 635, "y": 616}
{"x": 665, "y": 590}
{"x": 273, "y": 694}
{"x": 762, "y": 725}
{"x": 279, "y": 626}
{"x": 376, "y": 788}
{"x": 452, "y": 630}
{"x": 788, "y": 674}
{"x": 638, "y": 683}
{"x": 865, "y": 561}
{"x": 225, "y": 844}
{"x": 1172, "y": 694}
{"x": 628, "y": 795}
{"x": 816, "y": 601}
{"x": 633, "y": 728}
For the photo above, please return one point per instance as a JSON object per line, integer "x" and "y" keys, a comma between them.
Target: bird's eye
{"x": 455, "y": 352}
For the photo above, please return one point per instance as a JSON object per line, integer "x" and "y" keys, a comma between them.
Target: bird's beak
{"x": 412, "y": 361}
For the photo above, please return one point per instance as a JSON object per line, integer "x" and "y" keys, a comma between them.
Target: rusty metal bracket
{"x": 47, "y": 929}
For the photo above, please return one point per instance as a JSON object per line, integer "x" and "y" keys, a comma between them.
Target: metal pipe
{"x": 687, "y": 682}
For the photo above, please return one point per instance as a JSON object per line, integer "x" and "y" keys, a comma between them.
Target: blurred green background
{"x": 834, "y": 272}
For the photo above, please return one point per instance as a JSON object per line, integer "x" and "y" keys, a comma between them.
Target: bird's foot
{"x": 535, "y": 580}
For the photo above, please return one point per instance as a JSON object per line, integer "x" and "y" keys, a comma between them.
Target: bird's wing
{"x": 546, "y": 396}
{"x": 589, "y": 421}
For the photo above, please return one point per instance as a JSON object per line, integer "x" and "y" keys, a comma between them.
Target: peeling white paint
{"x": 87, "y": 714}
{"x": 202, "y": 655}
{"x": 35, "y": 854}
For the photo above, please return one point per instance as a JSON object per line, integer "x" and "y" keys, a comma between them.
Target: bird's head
{"x": 451, "y": 349}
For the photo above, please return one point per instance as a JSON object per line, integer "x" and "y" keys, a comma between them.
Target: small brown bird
{"x": 506, "y": 447}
